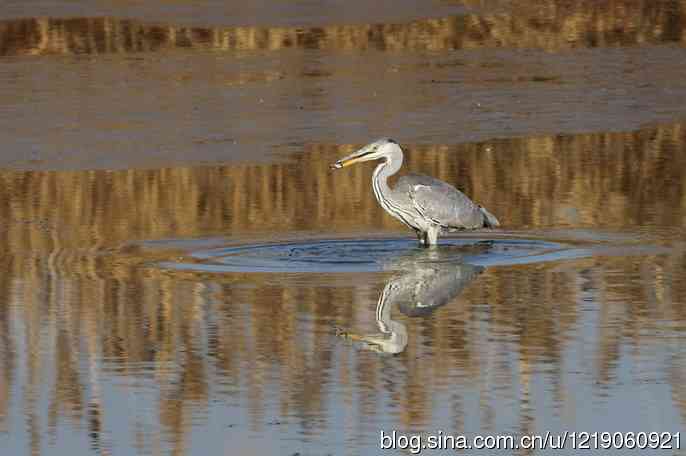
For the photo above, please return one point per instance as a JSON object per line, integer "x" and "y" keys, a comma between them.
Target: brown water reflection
{"x": 106, "y": 92}
{"x": 98, "y": 340}
{"x": 604, "y": 180}
{"x": 560, "y": 26}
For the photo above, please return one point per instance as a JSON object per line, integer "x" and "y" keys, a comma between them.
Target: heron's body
{"x": 427, "y": 205}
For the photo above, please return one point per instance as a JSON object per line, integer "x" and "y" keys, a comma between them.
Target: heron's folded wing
{"x": 445, "y": 205}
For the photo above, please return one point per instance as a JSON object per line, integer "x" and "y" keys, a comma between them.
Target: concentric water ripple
{"x": 368, "y": 255}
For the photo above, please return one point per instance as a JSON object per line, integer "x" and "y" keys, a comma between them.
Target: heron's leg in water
{"x": 421, "y": 236}
{"x": 432, "y": 235}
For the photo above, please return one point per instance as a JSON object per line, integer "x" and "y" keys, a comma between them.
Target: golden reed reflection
{"x": 184, "y": 332}
{"x": 588, "y": 180}
{"x": 554, "y": 25}
{"x": 68, "y": 295}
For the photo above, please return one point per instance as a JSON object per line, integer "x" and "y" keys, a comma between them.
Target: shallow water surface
{"x": 180, "y": 272}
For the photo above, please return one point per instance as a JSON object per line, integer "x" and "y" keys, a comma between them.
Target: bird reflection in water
{"x": 427, "y": 282}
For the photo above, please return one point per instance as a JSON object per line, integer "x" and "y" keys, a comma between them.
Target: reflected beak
{"x": 380, "y": 343}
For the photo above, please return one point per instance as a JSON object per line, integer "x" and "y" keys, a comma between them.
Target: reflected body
{"x": 423, "y": 287}
{"x": 429, "y": 206}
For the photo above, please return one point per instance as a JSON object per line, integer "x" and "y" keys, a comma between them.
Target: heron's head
{"x": 381, "y": 148}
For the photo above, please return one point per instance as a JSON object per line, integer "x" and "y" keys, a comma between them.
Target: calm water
{"x": 180, "y": 273}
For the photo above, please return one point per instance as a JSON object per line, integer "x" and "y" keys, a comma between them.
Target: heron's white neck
{"x": 385, "y": 169}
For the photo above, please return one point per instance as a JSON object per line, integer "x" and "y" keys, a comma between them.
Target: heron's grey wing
{"x": 441, "y": 202}
{"x": 410, "y": 179}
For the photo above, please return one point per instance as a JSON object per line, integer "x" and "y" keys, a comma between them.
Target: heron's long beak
{"x": 355, "y": 157}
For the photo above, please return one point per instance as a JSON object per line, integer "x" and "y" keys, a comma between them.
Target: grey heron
{"x": 427, "y": 205}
